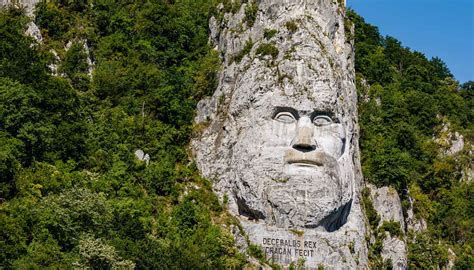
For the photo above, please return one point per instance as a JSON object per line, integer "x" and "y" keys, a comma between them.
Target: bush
{"x": 256, "y": 252}
{"x": 75, "y": 66}
{"x": 53, "y": 19}
{"x": 392, "y": 227}
{"x": 251, "y": 11}
{"x": 269, "y": 33}
{"x": 370, "y": 212}
{"x": 246, "y": 50}
{"x": 267, "y": 49}
{"x": 292, "y": 26}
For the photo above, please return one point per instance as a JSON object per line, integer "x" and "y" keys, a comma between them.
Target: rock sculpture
{"x": 281, "y": 136}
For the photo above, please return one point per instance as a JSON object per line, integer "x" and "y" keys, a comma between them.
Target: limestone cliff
{"x": 281, "y": 136}
{"x": 29, "y": 5}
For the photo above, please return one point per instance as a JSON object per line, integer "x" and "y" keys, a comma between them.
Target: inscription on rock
{"x": 299, "y": 248}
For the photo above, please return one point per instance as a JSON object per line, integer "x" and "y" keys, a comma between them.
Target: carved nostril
{"x": 304, "y": 140}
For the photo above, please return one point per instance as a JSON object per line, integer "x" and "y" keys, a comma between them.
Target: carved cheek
{"x": 281, "y": 134}
{"x": 329, "y": 139}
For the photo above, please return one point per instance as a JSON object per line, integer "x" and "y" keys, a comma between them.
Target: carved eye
{"x": 285, "y": 117}
{"x": 322, "y": 120}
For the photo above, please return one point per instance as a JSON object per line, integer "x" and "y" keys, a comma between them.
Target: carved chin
{"x": 304, "y": 206}
{"x": 301, "y": 202}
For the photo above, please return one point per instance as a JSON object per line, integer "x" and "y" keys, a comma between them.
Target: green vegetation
{"x": 269, "y": 33}
{"x": 392, "y": 227}
{"x": 251, "y": 10}
{"x": 75, "y": 66}
{"x": 375, "y": 249}
{"x": 297, "y": 232}
{"x": 424, "y": 250}
{"x": 370, "y": 212}
{"x": 72, "y": 193}
{"x": 232, "y": 6}
{"x": 299, "y": 265}
{"x": 256, "y": 252}
{"x": 281, "y": 180}
{"x": 267, "y": 49}
{"x": 404, "y": 102}
{"x": 292, "y": 26}
{"x": 246, "y": 50}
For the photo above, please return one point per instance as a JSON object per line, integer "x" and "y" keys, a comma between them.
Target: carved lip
{"x": 314, "y": 158}
{"x": 304, "y": 163}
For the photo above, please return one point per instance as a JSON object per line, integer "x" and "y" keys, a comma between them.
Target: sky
{"x": 436, "y": 28}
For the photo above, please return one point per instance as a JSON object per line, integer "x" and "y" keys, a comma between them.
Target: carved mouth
{"x": 305, "y": 163}
{"x": 308, "y": 159}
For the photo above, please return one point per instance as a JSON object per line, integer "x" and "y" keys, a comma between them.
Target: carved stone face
{"x": 280, "y": 133}
{"x": 281, "y": 136}
{"x": 287, "y": 161}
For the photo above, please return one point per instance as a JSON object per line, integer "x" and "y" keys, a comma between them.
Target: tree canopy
{"x": 408, "y": 106}
{"x": 72, "y": 191}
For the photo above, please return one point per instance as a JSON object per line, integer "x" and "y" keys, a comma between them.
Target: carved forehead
{"x": 258, "y": 96}
{"x": 293, "y": 84}
{"x": 305, "y": 102}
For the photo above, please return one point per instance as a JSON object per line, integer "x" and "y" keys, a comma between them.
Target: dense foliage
{"x": 409, "y": 107}
{"x": 72, "y": 192}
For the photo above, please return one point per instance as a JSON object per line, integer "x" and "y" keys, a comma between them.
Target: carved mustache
{"x": 318, "y": 158}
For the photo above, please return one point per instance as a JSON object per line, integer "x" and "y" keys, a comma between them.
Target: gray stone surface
{"x": 53, "y": 67}
{"x": 413, "y": 223}
{"x": 140, "y": 155}
{"x": 388, "y": 205}
{"x": 281, "y": 134}
{"x": 468, "y": 173}
{"x": 29, "y": 5}
{"x": 449, "y": 141}
{"x": 451, "y": 259}
{"x": 395, "y": 250}
{"x": 457, "y": 144}
{"x": 34, "y": 32}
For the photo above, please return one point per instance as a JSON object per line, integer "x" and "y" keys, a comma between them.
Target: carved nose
{"x": 304, "y": 136}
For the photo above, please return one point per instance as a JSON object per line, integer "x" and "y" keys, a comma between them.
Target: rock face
{"x": 29, "y": 5}
{"x": 281, "y": 134}
{"x": 413, "y": 223}
{"x": 394, "y": 249}
{"x": 34, "y": 32}
{"x": 449, "y": 141}
{"x": 140, "y": 155}
{"x": 388, "y": 205}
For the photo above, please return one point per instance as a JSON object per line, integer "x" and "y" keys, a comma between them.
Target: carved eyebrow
{"x": 325, "y": 113}
{"x": 280, "y": 109}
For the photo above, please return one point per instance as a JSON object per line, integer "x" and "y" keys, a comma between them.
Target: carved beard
{"x": 306, "y": 199}
{"x": 310, "y": 198}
